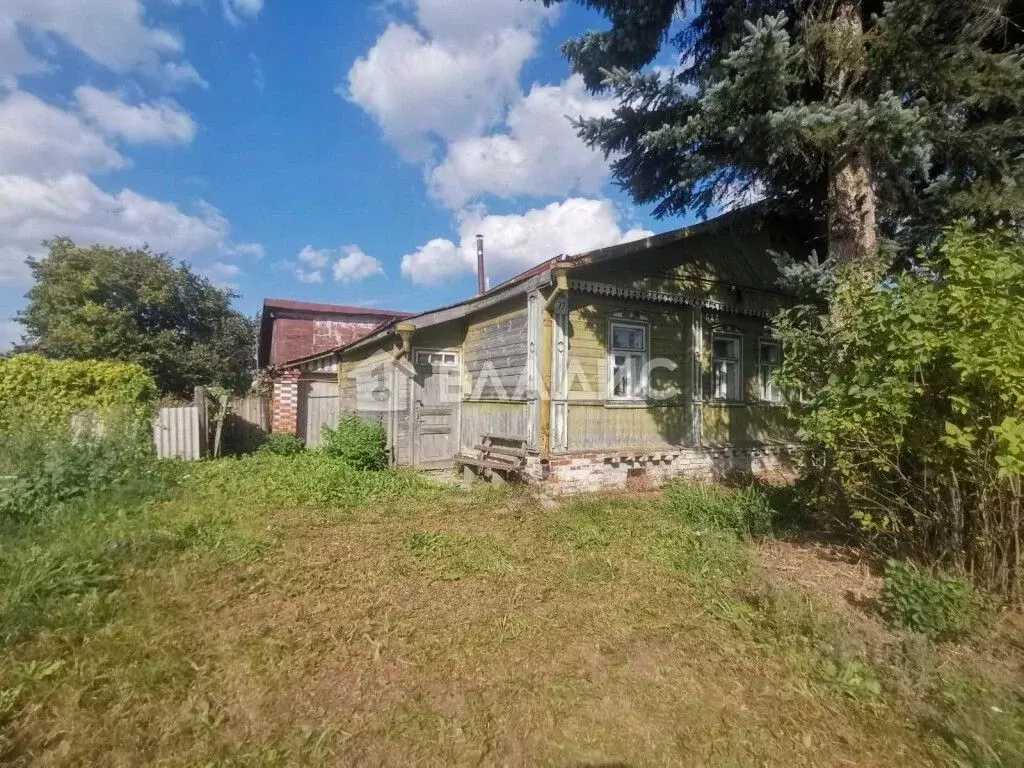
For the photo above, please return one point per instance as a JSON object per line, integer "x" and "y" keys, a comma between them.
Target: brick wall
{"x": 583, "y": 472}
{"x": 284, "y": 406}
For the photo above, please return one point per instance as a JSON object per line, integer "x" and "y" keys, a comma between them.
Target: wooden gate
{"x": 435, "y": 409}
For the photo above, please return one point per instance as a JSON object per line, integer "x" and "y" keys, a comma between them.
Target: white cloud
{"x": 160, "y": 122}
{"x": 111, "y": 32}
{"x": 540, "y": 154}
{"x": 352, "y": 265}
{"x": 222, "y": 274}
{"x": 470, "y": 20}
{"x": 517, "y": 241}
{"x": 32, "y": 210}
{"x": 235, "y": 10}
{"x": 356, "y": 265}
{"x": 176, "y": 75}
{"x": 39, "y": 139}
{"x": 10, "y": 334}
{"x": 418, "y": 88}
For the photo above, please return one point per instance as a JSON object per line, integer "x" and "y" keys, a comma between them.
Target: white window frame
{"x": 635, "y": 390}
{"x": 775, "y": 396}
{"x": 424, "y": 357}
{"x": 737, "y": 396}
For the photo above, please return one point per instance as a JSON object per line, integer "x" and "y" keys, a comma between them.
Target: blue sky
{"x": 341, "y": 152}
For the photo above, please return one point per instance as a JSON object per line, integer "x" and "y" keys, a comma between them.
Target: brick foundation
{"x": 582, "y": 472}
{"x": 284, "y": 407}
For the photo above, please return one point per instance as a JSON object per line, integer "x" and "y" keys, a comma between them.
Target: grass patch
{"x": 288, "y": 610}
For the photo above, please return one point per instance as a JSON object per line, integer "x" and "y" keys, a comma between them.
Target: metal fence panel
{"x": 176, "y": 433}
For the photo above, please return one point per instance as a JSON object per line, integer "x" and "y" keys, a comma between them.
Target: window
{"x": 438, "y": 359}
{"x": 770, "y": 358}
{"x": 628, "y": 361}
{"x": 725, "y": 367}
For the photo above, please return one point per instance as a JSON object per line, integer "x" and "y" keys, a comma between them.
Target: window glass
{"x": 628, "y": 360}
{"x": 771, "y": 358}
{"x": 726, "y": 377}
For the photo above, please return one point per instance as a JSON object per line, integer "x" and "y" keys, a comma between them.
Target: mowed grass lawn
{"x": 286, "y": 611}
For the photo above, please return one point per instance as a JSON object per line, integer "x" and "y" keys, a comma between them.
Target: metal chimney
{"x": 481, "y": 278}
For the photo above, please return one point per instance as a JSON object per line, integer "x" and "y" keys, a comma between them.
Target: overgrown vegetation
{"x": 282, "y": 444}
{"x": 37, "y": 394}
{"x": 246, "y": 611}
{"x": 940, "y": 607}
{"x": 360, "y": 443}
{"x": 915, "y": 418}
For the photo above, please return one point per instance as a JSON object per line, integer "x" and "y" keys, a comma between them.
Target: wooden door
{"x": 436, "y": 408}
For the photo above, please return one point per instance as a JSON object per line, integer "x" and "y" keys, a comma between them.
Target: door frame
{"x": 456, "y": 414}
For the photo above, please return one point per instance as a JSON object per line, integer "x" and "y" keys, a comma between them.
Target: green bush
{"x": 914, "y": 417}
{"x": 45, "y": 471}
{"x": 940, "y": 607}
{"x": 44, "y": 393}
{"x": 359, "y": 443}
{"x": 282, "y": 444}
{"x": 702, "y": 506}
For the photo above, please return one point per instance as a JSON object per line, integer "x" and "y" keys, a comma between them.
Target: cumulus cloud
{"x": 235, "y": 11}
{"x": 356, "y": 265}
{"x": 179, "y": 74}
{"x": 538, "y": 154}
{"x": 515, "y": 242}
{"x": 39, "y": 139}
{"x": 160, "y": 122}
{"x": 33, "y": 209}
{"x": 111, "y": 32}
{"x": 451, "y": 75}
{"x": 351, "y": 264}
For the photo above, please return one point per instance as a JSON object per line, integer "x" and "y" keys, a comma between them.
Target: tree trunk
{"x": 852, "y": 226}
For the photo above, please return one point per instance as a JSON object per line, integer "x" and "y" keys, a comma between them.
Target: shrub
{"x": 940, "y": 607}
{"x": 915, "y": 420}
{"x": 46, "y": 470}
{"x": 359, "y": 443}
{"x": 282, "y": 444}
{"x": 45, "y": 393}
{"x": 702, "y": 506}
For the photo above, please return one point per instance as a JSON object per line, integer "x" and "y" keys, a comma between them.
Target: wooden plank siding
{"x": 494, "y": 353}
{"x": 491, "y": 418}
{"x": 596, "y": 422}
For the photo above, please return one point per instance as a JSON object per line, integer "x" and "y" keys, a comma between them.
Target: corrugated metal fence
{"x": 176, "y": 433}
{"x": 187, "y": 431}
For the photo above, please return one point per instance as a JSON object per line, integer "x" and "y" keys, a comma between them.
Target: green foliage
{"x": 282, "y": 444}
{"x": 47, "y": 472}
{"x": 97, "y": 303}
{"x": 41, "y": 393}
{"x": 931, "y": 96}
{"x": 745, "y": 511}
{"x": 916, "y": 404}
{"x": 359, "y": 443}
{"x": 308, "y": 478}
{"x": 940, "y": 607}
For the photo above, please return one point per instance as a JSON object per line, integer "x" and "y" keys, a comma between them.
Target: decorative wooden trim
{"x": 662, "y": 297}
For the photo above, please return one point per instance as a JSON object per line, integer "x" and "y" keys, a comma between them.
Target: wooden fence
{"x": 318, "y": 411}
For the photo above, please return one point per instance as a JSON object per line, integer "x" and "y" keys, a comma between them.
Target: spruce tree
{"x": 878, "y": 118}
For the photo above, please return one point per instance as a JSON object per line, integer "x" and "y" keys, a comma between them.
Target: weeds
{"x": 939, "y": 607}
{"x": 745, "y": 511}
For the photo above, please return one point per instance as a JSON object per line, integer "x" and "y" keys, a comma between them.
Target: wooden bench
{"x": 499, "y": 459}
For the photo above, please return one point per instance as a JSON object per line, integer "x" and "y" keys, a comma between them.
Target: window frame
{"x": 421, "y": 353}
{"x": 634, "y": 393}
{"x": 717, "y": 335}
{"x": 762, "y": 342}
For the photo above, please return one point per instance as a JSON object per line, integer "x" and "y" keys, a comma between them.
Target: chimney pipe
{"x": 481, "y": 279}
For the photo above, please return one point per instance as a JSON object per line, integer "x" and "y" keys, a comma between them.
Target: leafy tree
{"x": 890, "y": 117}
{"x": 914, "y": 413}
{"x": 133, "y": 305}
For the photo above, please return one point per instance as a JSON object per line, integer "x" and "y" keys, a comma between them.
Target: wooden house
{"x": 625, "y": 365}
